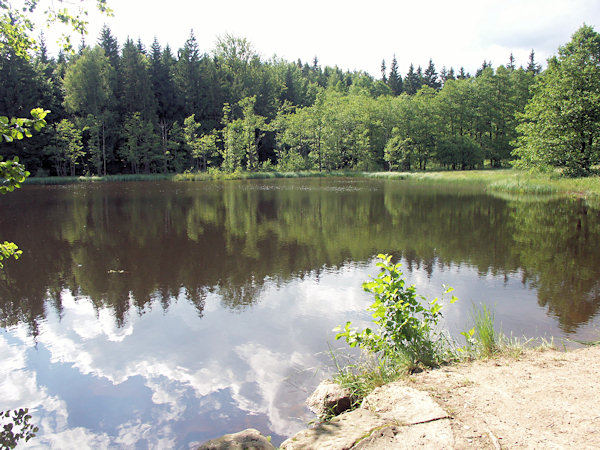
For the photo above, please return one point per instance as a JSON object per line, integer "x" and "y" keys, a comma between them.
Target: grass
{"x": 497, "y": 181}
{"x": 485, "y": 336}
{"x": 370, "y": 371}
{"x": 506, "y": 180}
{"x": 96, "y": 179}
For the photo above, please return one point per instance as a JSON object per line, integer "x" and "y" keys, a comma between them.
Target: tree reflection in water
{"x": 130, "y": 245}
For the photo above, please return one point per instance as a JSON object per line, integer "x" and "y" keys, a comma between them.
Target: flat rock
{"x": 329, "y": 398}
{"x": 249, "y": 439}
{"x": 341, "y": 432}
{"x": 436, "y": 435}
{"x": 403, "y": 405}
{"x": 392, "y": 416}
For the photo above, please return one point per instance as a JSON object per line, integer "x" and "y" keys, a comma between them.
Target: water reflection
{"x": 148, "y": 241}
{"x": 159, "y": 314}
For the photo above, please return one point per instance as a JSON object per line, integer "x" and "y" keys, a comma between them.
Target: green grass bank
{"x": 501, "y": 180}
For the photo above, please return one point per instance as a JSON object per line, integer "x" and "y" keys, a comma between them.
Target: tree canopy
{"x": 561, "y": 124}
{"x": 128, "y": 106}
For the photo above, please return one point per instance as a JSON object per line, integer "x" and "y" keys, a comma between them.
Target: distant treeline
{"x": 132, "y": 109}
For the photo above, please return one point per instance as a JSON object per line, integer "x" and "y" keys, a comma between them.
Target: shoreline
{"x": 538, "y": 399}
{"x": 508, "y": 181}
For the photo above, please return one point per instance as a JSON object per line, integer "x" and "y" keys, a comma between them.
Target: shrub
{"x": 405, "y": 322}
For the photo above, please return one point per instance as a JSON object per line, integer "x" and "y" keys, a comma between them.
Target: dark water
{"x": 156, "y": 315}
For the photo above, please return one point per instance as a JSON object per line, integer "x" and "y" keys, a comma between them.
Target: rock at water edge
{"x": 244, "y": 440}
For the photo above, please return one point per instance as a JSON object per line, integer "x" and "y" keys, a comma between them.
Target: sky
{"x": 358, "y": 35}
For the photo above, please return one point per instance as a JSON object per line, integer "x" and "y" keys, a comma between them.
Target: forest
{"x": 125, "y": 108}
{"x": 130, "y": 109}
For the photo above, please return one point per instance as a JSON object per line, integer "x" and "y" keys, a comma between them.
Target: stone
{"x": 392, "y": 416}
{"x": 403, "y": 404}
{"x": 341, "y": 432}
{"x": 329, "y": 399}
{"x": 249, "y": 439}
{"x": 436, "y": 435}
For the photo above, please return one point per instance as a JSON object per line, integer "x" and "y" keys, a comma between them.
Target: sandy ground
{"x": 542, "y": 399}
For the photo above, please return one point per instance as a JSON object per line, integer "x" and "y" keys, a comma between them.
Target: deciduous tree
{"x": 561, "y": 123}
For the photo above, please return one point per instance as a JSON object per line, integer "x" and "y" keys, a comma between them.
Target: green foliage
{"x": 12, "y": 174}
{"x": 87, "y": 83}
{"x": 203, "y": 147}
{"x": 482, "y": 340}
{"x": 67, "y": 151}
{"x": 18, "y": 128}
{"x": 485, "y": 332}
{"x": 233, "y": 145}
{"x": 405, "y": 321}
{"x": 141, "y": 149}
{"x": 16, "y": 24}
{"x": 7, "y": 250}
{"x": 399, "y": 152}
{"x": 561, "y": 123}
{"x": 297, "y": 116}
{"x": 17, "y": 427}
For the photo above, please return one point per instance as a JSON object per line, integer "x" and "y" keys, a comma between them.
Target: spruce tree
{"x": 395, "y": 80}
{"x": 110, "y": 46}
{"x": 289, "y": 92}
{"x": 484, "y": 65}
{"x": 187, "y": 78}
{"x": 161, "y": 64}
{"x": 532, "y": 66}
{"x": 383, "y": 71}
{"x": 411, "y": 81}
{"x": 511, "y": 62}
{"x": 451, "y": 75}
{"x": 136, "y": 89}
{"x": 431, "y": 77}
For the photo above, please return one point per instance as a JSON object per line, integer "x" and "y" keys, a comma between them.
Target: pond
{"x": 160, "y": 314}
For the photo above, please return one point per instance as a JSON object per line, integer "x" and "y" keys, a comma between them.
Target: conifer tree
{"x": 411, "y": 81}
{"x": 110, "y": 46}
{"x": 532, "y": 66}
{"x": 136, "y": 87}
{"x": 511, "y": 62}
{"x": 395, "y": 80}
{"x": 450, "y": 75}
{"x": 484, "y": 65}
{"x": 420, "y": 77}
{"x": 383, "y": 72}
{"x": 161, "y": 66}
{"x": 187, "y": 77}
{"x": 430, "y": 77}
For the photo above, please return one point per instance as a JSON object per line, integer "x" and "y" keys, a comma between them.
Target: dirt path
{"x": 543, "y": 399}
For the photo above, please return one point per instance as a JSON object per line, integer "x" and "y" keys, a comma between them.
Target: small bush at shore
{"x": 406, "y": 338}
{"x": 405, "y": 322}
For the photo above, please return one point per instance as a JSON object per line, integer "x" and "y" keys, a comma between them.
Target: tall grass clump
{"x": 482, "y": 340}
{"x": 405, "y": 333}
{"x": 485, "y": 331}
